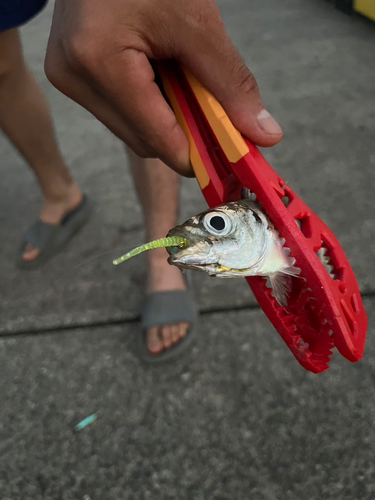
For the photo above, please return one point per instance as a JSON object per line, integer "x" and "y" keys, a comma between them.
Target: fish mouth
{"x": 196, "y": 240}
{"x": 190, "y": 267}
{"x": 193, "y": 256}
{"x": 173, "y": 250}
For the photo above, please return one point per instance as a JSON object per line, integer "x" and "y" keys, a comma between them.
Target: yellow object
{"x": 230, "y": 139}
{"x": 195, "y": 159}
{"x": 365, "y": 7}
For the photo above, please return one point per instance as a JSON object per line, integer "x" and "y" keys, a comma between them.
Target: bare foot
{"x": 163, "y": 277}
{"x": 53, "y": 211}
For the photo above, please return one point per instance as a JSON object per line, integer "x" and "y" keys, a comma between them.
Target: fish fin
{"x": 281, "y": 284}
{"x": 291, "y": 271}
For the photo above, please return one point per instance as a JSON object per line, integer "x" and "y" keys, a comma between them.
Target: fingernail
{"x": 268, "y": 124}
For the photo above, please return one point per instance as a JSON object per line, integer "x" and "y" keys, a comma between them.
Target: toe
{"x": 30, "y": 253}
{"x": 175, "y": 333}
{"x": 154, "y": 343}
{"x": 183, "y": 329}
{"x": 167, "y": 336}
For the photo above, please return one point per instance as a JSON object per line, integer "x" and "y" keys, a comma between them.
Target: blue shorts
{"x": 14, "y": 13}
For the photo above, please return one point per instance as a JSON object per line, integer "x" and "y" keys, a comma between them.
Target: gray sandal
{"x": 166, "y": 308}
{"x": 50, "y": 239}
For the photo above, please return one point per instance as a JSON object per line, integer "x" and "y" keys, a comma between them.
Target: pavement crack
{"x": 126, "y": 321}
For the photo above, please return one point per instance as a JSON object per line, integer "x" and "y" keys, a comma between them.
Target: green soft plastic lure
{"x": 170, "y": 241}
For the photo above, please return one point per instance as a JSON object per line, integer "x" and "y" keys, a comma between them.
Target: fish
{"x": 233, "y": 240}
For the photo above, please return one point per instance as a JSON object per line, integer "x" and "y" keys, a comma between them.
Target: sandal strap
{"x": 40, "y": 234}
{"x": 170, "y": 307}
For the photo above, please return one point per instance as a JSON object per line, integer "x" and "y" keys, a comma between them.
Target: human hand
{"x": 99, "y": 55}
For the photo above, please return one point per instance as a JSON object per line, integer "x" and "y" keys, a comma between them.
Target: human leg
{"x": 25, "y": 119}
{"x": 158, "y": 189}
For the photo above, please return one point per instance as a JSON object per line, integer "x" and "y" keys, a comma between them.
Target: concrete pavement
{"x": 238, "y": 418}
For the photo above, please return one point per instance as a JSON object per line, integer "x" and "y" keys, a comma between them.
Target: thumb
{"x": 216, "y": 62}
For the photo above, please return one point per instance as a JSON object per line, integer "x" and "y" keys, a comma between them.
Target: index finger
{"x": 129, "y": 83}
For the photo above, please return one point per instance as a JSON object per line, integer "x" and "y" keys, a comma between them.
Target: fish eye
{"x": 217, "y": 224}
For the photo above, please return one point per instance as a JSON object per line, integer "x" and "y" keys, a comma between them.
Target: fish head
{"x": 224, "y": 241}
